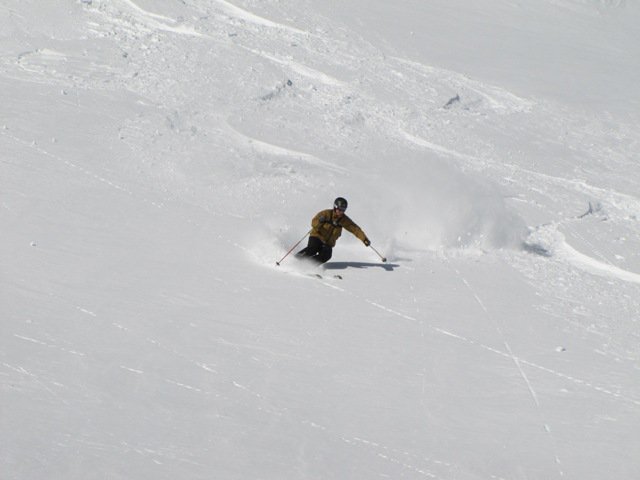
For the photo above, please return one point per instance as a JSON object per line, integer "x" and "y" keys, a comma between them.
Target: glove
{"x": 366, "y": 242}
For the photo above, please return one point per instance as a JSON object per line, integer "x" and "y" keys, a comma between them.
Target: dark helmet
{"x": 340, "y": 203}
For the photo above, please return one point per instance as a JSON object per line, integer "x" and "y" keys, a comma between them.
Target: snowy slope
{"x": 157, "y": 158}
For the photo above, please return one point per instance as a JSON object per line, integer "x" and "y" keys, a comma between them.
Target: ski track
{"x": 498, "y": 99}
{"x": 627, "y": 204}
{"x": 549, "y": 240}
{"x": 439, "y": 149}
{"x": 589, "y": 7}
{"x": 245, "y": 15}
{"x": 44, "y": 344}
{"x": 567, "y": 253}
{"x": 512, "y": 357}
{"x": 34, "y": 146}
{"x": 146, "y": 13}
{"x": 518, "y": 365}
{"x": 87, "y": 312}
{"x": 50, "y": 67}
{"x": 36, "y": 378}
{"x": 298, "y": 68}
{"x": 267, "y": 148}
{"x": 403, "y": 459}
{"x": 159, "y": 22}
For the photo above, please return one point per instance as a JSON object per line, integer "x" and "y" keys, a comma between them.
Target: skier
{"x": 327, "y": 227}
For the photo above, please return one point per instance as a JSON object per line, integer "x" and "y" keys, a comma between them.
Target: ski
{"x": 325, "y": 277}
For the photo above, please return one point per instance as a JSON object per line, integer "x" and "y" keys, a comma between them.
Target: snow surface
{"x": 158, "y": 156}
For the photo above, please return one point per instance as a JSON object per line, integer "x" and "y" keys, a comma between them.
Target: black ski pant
{"x": 316, "y": 250}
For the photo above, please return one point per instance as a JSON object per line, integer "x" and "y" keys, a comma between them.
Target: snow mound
{"x": 546, "y": 240}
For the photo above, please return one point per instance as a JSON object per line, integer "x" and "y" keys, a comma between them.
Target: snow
{"x": 158, "y": 157}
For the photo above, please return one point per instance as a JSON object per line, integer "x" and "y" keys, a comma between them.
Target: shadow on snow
{"x": 390, "y": 267}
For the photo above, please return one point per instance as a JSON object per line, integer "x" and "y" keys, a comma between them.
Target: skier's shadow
{"x": 389, "y": 267}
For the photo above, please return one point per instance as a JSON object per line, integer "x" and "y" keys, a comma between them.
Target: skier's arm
{"x": 350, "y": 226}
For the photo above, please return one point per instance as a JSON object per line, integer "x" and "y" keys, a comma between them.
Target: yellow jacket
{"x": 327, "y": 226}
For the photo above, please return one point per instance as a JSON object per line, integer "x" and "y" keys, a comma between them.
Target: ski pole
{"x": 291, "y": 250}
{"x": 384, "y": 259}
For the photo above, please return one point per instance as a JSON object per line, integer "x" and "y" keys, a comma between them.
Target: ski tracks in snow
{"x": 503, "y": 353}
{"x": 299, "y": 68}
{"x": 548, "y": 241}
{"x": 24, "y": 372}
{"x": 79, "y": 168}
{"x": 521, "y": 364}
{"x": 267, "y": 148}
{"x": 247, "y": 16}
{"x": 517, "y": 363}
{"x": 148, "y": 21}
{"x": 497, "y": 99}
{"x": 403, "y": 459}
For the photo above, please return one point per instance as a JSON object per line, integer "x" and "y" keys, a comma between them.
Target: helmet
{"x": 340, "y": 203}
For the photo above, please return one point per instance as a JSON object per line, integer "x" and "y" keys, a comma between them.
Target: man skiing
{"x": 327, "y": 227}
